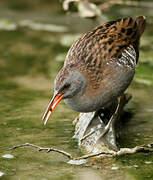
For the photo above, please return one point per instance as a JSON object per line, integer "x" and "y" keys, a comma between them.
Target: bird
{"x": 99, "y": 66}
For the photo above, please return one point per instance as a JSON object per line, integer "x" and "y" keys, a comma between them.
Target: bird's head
{"x": 68, "y": 84}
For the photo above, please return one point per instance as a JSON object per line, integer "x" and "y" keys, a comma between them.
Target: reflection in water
{"x": 88, "y": 175}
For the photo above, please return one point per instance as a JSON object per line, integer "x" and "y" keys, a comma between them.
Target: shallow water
{"x": 29, "y": 61}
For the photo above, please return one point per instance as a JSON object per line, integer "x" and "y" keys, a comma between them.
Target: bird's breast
{"x": 114, "y": 83}
{"x": 80, "y": 104}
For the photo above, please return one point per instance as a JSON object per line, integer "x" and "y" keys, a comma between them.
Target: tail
{"x": 141, "y": 24}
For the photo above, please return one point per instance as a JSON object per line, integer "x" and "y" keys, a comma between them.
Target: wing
{"x": 118, "y": 75}
{"x": 113, "y": 41}
{"x": 105, "y": 42}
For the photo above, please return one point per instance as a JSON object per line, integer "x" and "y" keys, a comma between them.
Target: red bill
{"x": 52, "y": 104}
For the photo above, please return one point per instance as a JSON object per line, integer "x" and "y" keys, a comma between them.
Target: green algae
{"x": 25, "y": 56}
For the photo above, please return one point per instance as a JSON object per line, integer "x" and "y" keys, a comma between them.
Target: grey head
{"x": 69, "y": 85}
{"x": 72, "y": 85}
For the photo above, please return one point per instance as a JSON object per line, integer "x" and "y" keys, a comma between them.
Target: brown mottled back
{"x": 106, "y": 41}
{"x": 93, "y": 50}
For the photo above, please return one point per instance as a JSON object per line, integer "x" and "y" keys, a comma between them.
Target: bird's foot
{"x": 89, "y": 134}
{"x": 111, "y": 122}
{"x": 105, "y": 128}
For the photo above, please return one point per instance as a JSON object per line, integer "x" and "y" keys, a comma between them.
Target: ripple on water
{"x": 1, "y": 173}
{"x": 8, "y": 156}
{"x": 77, "y": 162}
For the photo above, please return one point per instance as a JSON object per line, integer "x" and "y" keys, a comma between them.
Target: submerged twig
{"x": 41, "y": 149}
{"x": 123, "y": 151}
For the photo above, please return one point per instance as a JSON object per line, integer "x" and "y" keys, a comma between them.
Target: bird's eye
{"x": 66, "y": 86}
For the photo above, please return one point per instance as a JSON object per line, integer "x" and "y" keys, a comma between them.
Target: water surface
{"x": 29, "y": 61}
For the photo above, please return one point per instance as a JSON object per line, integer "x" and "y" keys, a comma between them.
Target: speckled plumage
{"x": 106, "y": 56}
{"x": 93, "y": 50}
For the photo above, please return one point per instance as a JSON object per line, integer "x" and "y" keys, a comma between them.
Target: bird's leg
{"x": 89, "y": 134}
{"x": 113, "y": 118}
